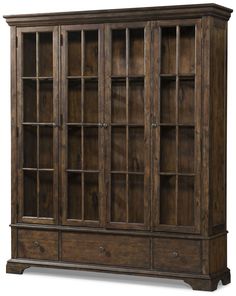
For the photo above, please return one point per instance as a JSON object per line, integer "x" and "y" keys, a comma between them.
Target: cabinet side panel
{"x": 13, "y": 143}
{"x": 218, "y": 254}
{"x": 218, "y": 125}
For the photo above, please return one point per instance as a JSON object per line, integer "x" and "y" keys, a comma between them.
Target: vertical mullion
{"x": 177, "y": 119}
{"x": 82, "y": 120}
{"x": 100, "y": 85}
{"x": 107, "y": 117}
{"x": 158, "y": 112}
{"x": 37, "y": 109}
{"x": 127, "y": 122}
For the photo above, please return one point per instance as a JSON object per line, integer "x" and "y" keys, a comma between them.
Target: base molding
{"x": 16, "y": 267}
{"x": 209, "y": 284}
{"x": 196, "y": 281}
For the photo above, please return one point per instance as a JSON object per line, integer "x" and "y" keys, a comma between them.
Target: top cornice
{"x": 120, "y": 15}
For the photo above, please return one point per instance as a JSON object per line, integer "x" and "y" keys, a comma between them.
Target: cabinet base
{"x": 209, "y": 284}
{"x": 197, "y": 282}
{"x": 16, "y": 268}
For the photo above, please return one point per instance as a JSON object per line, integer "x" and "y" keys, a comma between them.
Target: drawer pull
{"x": 175, "y": 254}
{"x": 36, "y": 244}
{"x": 102, "y": 250}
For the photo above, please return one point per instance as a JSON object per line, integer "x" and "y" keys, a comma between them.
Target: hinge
{"x": 61, "y": 40}
{"x": 16, "y": 41}
{"x": 17, "y": 131}
{"x": 61, "y": 120}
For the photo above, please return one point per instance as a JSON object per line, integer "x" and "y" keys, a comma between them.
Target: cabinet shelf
{"x": 38, "y": 169}
{"x": 127, "y": 172}
{"x": 82, "y": 77}
{"x": 176, "y": 174}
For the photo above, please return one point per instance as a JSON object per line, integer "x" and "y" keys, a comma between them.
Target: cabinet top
{"x": 120, "y": 15}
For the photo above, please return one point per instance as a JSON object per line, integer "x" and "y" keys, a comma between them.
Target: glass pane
{"x": 136, "y": 54}
{"x": 118, "y": 198}
{"x": 74, "y": 147}
{"x": 91, "y": 196}
{"x": 118, "y": 52}
{"x": 91, "y": 148}
{"x": 168, "y": 149}
{"x": 91, "y": 101}
{"x": 136, "y": 198}
{"x": 74, "y": 101}
{"x": 29, "y": 60}
{"x": 30, "y": 146}
{"x": 45, "y": 147}
{"x": 168, "y": 50}
{"x": 187, "y": 50}
{"x": 186, "y": 101}
{"x": 30, "y": 101}
{"x": 74, "y": 206}
{"x": 118, "y": 102}
{"x": 186, "y": 201}
{"x": 136, "y": 101}
{"x": 118, "y": 148}
{"x": 168, "y": 101}
{"x": 167, "y": 200}
{"x": 45, "y": 54}
{"x": 186, "y": 149}
{"x": 46, "y": 101}
{"x": 30, "y": 193}
{"x": 45, "y": 194}
{"x": 136, "y": 149}
{"x": 91, "y": 53}
{"x": 74, "y": 53}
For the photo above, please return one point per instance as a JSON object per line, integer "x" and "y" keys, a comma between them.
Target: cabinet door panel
{"x": 127, "y": 73}
{"x": 82, "y": 143}
{"x": 45, "y": 194}
{"x": 37, "y": 86}
{"x": 176, "y": 132}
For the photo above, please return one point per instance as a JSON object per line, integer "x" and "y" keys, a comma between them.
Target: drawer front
{"x": 106, "y": 249}
{"x": 177, "y": 255}
{"x": 38, "y": 244}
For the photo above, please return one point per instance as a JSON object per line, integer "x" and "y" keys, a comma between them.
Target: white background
{"x": 58, "y": 282}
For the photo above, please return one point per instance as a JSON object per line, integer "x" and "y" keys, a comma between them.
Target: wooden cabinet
{"x": 119, "y": 142}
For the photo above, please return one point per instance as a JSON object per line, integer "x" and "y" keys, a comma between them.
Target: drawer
{"x": 177, "y": 255}
{"x": 117, "y": 250}
{"x": 38, "y": 244}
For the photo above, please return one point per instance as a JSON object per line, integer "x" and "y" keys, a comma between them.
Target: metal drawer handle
{"x": 175, "y": 254}
{"x": 36, "y": 244}
{"x": 102, "y": 250}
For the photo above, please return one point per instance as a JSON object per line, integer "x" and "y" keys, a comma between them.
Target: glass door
{"x": 127, "y": 112}
{"x": 82, "y": 152}
{"x": 176, "y": 126}
{"x": 37, "y": 78}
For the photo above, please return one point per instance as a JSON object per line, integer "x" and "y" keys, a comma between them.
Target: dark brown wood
{"x": 16, "y": 268}
{"x": 36, "y": 244}
{"x": 121, "y": 15}
{"x": 106, "y": 249}
{"x": 218, "y": 115}
{"x": 177, "y": 255}
{"x": 209, "y": 284}
{"x": 119, "y": 142}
